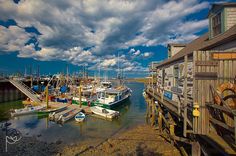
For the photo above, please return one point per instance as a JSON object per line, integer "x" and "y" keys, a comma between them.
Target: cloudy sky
{"x": 94, "y": 33}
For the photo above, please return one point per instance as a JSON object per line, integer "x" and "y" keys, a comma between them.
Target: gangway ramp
{"x": 25, "y": 89}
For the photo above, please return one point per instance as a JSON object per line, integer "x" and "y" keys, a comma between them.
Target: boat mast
{"x": 38, "y": 75}
{"x": 80, "y": 103}
{"x": 31, "y": 77}
{"x": 118, "y": 73}
{"x": 67, "y": 74}
{"x": 99, "y": 69}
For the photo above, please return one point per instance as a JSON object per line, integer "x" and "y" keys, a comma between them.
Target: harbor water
{"x": 94, "y": 129}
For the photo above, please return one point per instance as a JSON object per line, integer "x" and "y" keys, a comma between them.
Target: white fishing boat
{"x": 113, "y": 97}
{"x": 27, "y": 110}
{"x": 80, "y": 117}
{"x": 67, "y": 116}
{"x": 106, "y": 113}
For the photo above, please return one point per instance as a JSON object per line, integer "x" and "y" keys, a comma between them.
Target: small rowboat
{"x": 27, "y": 110}
{"x": 80, "y": 117}
{"x": 106, "y": 113}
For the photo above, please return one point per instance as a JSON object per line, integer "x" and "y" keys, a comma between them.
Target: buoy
{"x": 196, "y": 112}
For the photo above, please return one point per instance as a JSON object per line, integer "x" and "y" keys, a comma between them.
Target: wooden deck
{"x": 59, "y": 104}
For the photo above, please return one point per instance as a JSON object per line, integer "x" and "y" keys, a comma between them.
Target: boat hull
{"x": 113, "y": 105}
{"x": 84, "y": 103}
{"x": 109, "y": 114}
{"x": 26, "y": 112}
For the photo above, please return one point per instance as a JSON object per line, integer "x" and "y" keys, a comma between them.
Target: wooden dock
{"x": 86, "y": 109}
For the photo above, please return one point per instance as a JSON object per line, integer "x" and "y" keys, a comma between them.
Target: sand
{"x": 141, "y": 140}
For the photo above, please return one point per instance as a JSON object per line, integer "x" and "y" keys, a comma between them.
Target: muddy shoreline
{"x": 139, "y": 140}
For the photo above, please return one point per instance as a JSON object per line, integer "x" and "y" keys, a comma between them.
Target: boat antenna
{"x": 118, "y": 72}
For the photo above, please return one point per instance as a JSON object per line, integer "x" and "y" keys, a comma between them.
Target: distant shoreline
{"x": 141, "y": 80}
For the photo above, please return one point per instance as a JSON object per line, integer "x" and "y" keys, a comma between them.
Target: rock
{"x": 59, "y": 154}
{"x": 58, "y": 142}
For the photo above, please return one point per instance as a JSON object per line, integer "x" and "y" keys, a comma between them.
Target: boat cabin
{"x": 112, "y": 95}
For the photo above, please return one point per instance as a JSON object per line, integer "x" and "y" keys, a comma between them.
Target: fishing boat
{"x": 80, "y": 117}
{"x": 62, "y": 100}
{"x": 106, "y": 113}
{"x": 112, "y": 97}
{"x": 84, "y": 101}
{"x": 67, "y": 116}
{"x": 27, "y": 110}
{"x": 46, "y": 111}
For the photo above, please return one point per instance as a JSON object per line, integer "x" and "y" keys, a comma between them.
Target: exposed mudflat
{"x": 29, "y": 146}
{"x": 141, "y": 140}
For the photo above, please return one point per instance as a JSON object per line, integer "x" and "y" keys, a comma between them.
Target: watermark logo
{"x": 12, "y": 135}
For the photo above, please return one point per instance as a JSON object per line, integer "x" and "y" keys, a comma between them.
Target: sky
{"x": 98, "y": 34}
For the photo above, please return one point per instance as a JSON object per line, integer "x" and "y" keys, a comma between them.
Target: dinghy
{"x": 27, "y": 110}
{"x": 80, "y": 117}
{"x": 106, "y": 113}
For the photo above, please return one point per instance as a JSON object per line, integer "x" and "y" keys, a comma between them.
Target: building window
{"x": 216, "y": 24}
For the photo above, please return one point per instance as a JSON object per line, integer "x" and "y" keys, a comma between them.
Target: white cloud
{"x": 137, "y": 53}
{"x": 89, "y": 30}
{"x": 147, "y": 54}
{"x": 109, "y": 62}
{"x": 13, "y": 38}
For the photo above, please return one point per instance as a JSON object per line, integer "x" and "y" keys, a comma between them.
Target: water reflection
{"x": 132, "y": 112}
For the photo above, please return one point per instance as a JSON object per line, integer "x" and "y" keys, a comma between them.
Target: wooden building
{"x": 174, "y": 48}
{"x": 191, "y": 92}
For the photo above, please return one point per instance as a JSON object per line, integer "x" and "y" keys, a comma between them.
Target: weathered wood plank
{"x": 206, "y": 63}
{"x": 208, "y": 69}
{"x": 226, "y": 70}
{"x": 224, "y": 109}
{"x": 194, "y": 90}
{"x": 221, "y": 71}
{"x": 199, "y": 95}
{"x": 231, "y": 129}
{"x": 206, "y": 75}
{"x": 224, "y": 55}
{"x": 230, "y": 70}
{"x": 185, "y": 94}
{"x": 203, "y": 90}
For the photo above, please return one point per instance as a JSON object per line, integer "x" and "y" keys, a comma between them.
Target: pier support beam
{"x": 185, "y": 94}
{"x": 153, "y": 119}
{"x": 160, "y": 119}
